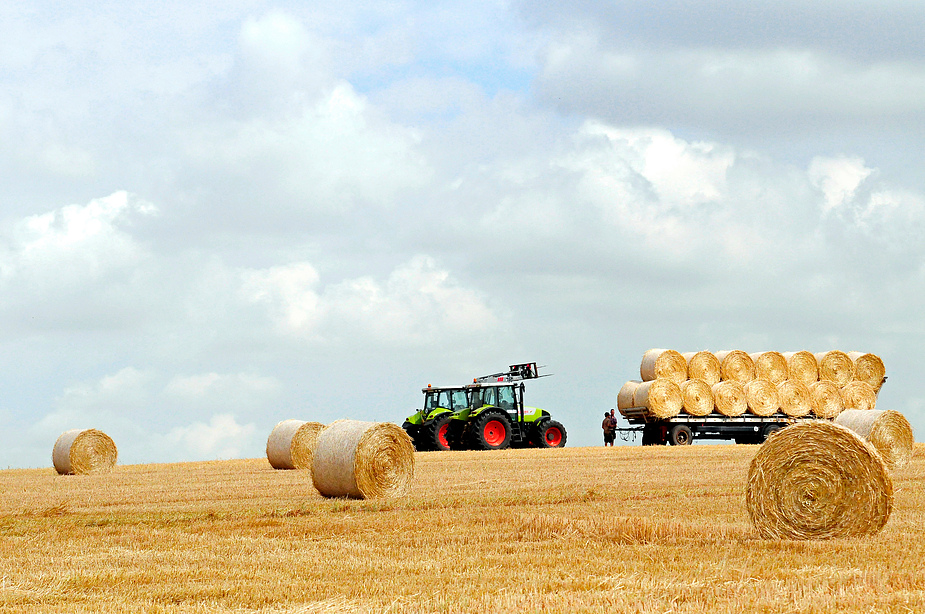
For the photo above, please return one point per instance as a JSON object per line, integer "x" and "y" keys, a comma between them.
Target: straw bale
{"x": 736, "y": 366}
{"x": 291, "y": 444}
{"x": 886, "y": 430}
{"x": 796, "y": 399}
{"x": 703, "y": 365}
{"x": 827, "y": 399}
{"x": 868, "y": 368}
{"x": 835, "y": 366}
{"x": 802, "y": 366}
{"x": 662, "y": 397}
{"x": 625, "y": 396}
{"x": 82, "y": 451}
{"x": 665, "y": 364}
{"x": 818, "y": 480}
{"x": 771, "y": 366}
{"x": 858, "y": 395}
{"x": 761, "y": 397}
{"x": 364, "y": 460}
{"x": 697, "y": 397}
{"x": 729, "y": 398}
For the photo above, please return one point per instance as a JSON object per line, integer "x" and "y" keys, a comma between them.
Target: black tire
{"x": 456, "y": 434}
{"x": 549, "y": 434}
{"x": 490, "y": 430}
{"x": 431, "y": 433}
{"x": 768, "y": 431}
{"x": 413, "y": 431}
{"x": 680, "y": 435}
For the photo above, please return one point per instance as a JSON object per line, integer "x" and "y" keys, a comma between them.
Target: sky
{"x": 215, "y": 216}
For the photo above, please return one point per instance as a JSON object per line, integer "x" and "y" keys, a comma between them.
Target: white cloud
{"x": 838, "y": 178}
{"x": 221, "y": 438}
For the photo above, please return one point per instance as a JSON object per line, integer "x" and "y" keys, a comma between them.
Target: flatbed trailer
{"x": 682, "y": 429}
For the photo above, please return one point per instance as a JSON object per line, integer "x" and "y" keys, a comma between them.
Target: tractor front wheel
{"x": 490, "y": 431}
{"x": 550, "y": 434}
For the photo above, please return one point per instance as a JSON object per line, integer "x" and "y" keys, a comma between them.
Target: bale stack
{"x": 291, "y": 444}
{"x": 83, "y": 451}
{"x": 887, "y": 430}
{"x": 804, "y": 384}
{"x": 365, "y": 460}
{"x": 818, "y": 480}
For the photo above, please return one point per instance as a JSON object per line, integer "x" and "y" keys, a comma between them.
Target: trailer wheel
{"x": 435, "y": 432}
{"x": 550, "y": 434}
{"x": 768, "y": 431}
{"x": 680, "y": 435}
{"x": 490, "y": 431}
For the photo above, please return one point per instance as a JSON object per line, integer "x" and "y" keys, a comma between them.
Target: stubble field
{"x": 626, "y": 529}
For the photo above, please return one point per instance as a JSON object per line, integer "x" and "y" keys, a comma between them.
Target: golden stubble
{"x": 624, "y": 529}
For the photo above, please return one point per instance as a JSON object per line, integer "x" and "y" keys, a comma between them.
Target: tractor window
{"x": 459, "y": 399}
{"x": 430, "y": 401}
{"x": 483, "y": 396}
{"x": 506, "y": 398}
{"x": 443, "y": 400}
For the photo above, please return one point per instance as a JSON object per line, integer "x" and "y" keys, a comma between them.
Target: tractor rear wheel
{"x": 490, "y": 431}
{"x": 549, "y": 434}
{"x": 434, "y": 433}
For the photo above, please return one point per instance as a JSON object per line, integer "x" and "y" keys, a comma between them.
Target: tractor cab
{"x": 427, "y": 427}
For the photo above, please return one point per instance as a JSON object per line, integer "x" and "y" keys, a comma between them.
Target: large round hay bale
{"x": 697, "y": 397}
{"x": 858, "y": 395}
{"x": 82, "y": 451}
{"x": 703, "y": 365}
{"x": 365, "y": 460}
{"x": 802, "y": 366}
{"x": 827, "y": 399}
{"x": 868, "y": 368}
{"x": 795, "y": 398}
{"x": 663, "y": 364}
{"x": 770, "y": 366}
{"x": 886, "y": 430}
{"x": 818, "y": 480}
{"x": 729, "y": 398}
{"x": 761, "y": 397}
{"x": 835, "y": 366}
{"x": 291, "y": 444}
{"x": 736, "y": 366}
{"x": 625, "y": 396}
{"x": 662, "y": 397}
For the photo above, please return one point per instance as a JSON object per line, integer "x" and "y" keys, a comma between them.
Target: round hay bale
{"x": 818, "y": 480}
{"x": 82, "y": 451}
{"x": 663, "y": 364}
{"x": 868, "y": 368}
{"x": 729, "y": 398}
{"x": 796, "y": 399}
{"x": 761, "y": 397}
{"x": 662, "y": 397}
{"x": 770, "y": 366}
{"x": 827, "y": 399}
{"x": 886, "y": 430}
{"x": 736, "y": 366}
{"x": 291, "y": 444}
{"x": 697, "y": 397}
{"x": 365, "y": 460}
{"x": 802, "y": 366}
{"x": 835, "y": 366}
{"x": 858, "y": 395}
{"x": 703, "y": 365}
{"x": 625, "y": 396}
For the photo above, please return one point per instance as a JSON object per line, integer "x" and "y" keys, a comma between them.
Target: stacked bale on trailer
{"x": 789, "y": 384}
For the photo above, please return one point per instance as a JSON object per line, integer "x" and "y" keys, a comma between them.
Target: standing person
{"x": 609, "y": 424}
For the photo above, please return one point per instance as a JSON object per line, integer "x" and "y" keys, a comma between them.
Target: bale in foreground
{"x": 886, "y": 430}
{"x": 82, "y": 451}
{"x": 291, "y": 444}
{"x": 364, "y": 460}
{"x": 818, "y": 480}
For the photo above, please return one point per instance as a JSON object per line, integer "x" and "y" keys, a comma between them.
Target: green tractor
{"x": 496, "y": 418}
{"x": 428, "y": 427}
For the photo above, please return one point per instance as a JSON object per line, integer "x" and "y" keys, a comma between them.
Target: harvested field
{"x": 624, "y": 529}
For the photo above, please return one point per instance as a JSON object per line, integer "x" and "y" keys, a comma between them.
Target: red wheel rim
{"x": 553, "y": 437}
{"x": 441, "y": 435}
{"x": 494, "y": 433}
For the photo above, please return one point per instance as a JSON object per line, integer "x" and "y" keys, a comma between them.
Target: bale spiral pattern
{"x": 662, "y": 397}
{"x": 663, "y": 364}
{"x": 868, "y": 368}
{"x": 886, "y": 430}
{"x": 703, "y": 365}
{"x": 835, "y": 366}
{"x": 771, "y": 366}
{"x": 796, "y": 400}
{"x": 761, "y": 397}
{"x": 859, "y": 395}
{"x": 802, "y": 366}
{"x": 729, "y": 398}
{"x": 827, "y": 399}
{"x": 736, "y": 366}
{"x": 82, "y": 451}
{"x": 818, "y": 480}
{"x": 697, "y": 397}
